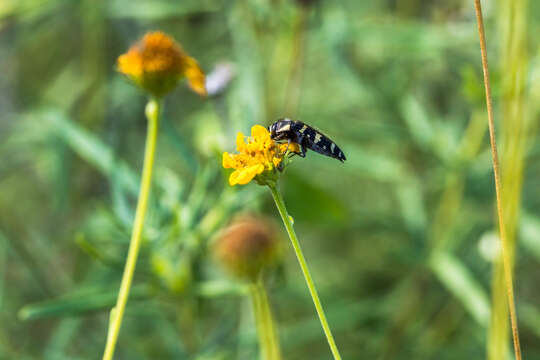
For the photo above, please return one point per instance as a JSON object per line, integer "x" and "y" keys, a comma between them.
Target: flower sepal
{"x": 269, "y": 177}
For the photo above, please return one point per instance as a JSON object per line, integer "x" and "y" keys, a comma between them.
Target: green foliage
{"x": 393, "y": 236}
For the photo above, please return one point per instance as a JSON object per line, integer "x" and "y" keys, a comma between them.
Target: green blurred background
{"x": 401, "y": 238}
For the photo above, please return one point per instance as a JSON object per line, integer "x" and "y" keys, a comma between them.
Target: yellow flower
{"x": 157, "y": 63}
{"x": 257, "y": 154}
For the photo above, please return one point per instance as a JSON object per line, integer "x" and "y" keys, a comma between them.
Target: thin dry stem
{"x": 496, "y": 173}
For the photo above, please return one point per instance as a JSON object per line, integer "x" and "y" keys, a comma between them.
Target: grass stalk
{"x": 266, "y": 330}
{"x": 305, "y": 270}
{"x": 516, "y": 126}
{"x": 294, "y": 81}
{"x": 153, "y": 109}
{"x": 496, "y": 172}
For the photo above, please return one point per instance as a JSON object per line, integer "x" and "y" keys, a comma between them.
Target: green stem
{"x": 311, "y": 286}
{"x": 266, "y": 331}
{"x": 152, "y": 113}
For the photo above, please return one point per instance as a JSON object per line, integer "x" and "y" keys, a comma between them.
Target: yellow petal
{"x": 258, "y": 131}
{"x": 241, "y": 176}
{"x": 276, "y": 161}
{"x": 294, "y": 147}
{"x": 233, "y": 178}
{"x": 195, "y": 76}
{"x": 245, "y": 177}
{"x": 130, "y": 65}
{"x": 257, "y": 169}
{"x": 240, "y": 144}
{"x": 247, "y": 174}
{"x": 228, "y": 161}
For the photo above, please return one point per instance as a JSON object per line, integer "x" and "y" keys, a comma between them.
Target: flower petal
{"x": 245, "y": 175}
{"x": 195, "y": 76}
{"x": 241, "y": 176}
{"x": 130, "y": 65}
{"x": 257, "y": 169}
{"x": 233, "y": 178}
{"x": 228, "y": 161}
{"x": 260, "y": 132}
{"x": 292, "y": 147}
{"x": 240, "y": 144}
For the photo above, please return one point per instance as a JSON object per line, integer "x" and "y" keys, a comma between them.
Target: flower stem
{"x": 266, "y": 331}
{"x": 311, "y": 286}
{"x": 152, "y": 113}
{"x": 497, "y": 175}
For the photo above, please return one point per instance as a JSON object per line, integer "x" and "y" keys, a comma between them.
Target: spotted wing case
{"x": 313, "y": 139}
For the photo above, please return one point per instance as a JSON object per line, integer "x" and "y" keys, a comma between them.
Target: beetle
{"x": 305, "y": 136}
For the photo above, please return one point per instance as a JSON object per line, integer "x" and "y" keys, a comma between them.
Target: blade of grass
{"x": 497, "y": 176}
{"x": 3, "y": 265}
{"x": 515, "y": 124}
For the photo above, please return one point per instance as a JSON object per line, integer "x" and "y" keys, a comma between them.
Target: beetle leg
{"x": 303, "y": 149}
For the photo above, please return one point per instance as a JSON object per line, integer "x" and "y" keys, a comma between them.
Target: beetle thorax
{"x": 282, "y": 126}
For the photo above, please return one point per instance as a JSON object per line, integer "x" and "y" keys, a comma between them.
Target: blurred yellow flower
{"x": 157, "y": 63}
{"x": 256, "y": 154}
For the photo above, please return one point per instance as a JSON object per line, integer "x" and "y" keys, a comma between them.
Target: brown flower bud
{"x": 248, "y": 246}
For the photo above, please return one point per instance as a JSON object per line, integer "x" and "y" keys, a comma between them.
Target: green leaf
{"x": 461, "y": 283}
{"x": 411, "y": 201}
{"x": 372, "y": 164}
{"x": 529, "y": 230}
{"x": 418, "y": 122}
{"x": 93, "y": 150}
{"x": 80, "y": 302}
{"x": 321, "y": 206}
{"x": 530, "y": 316}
